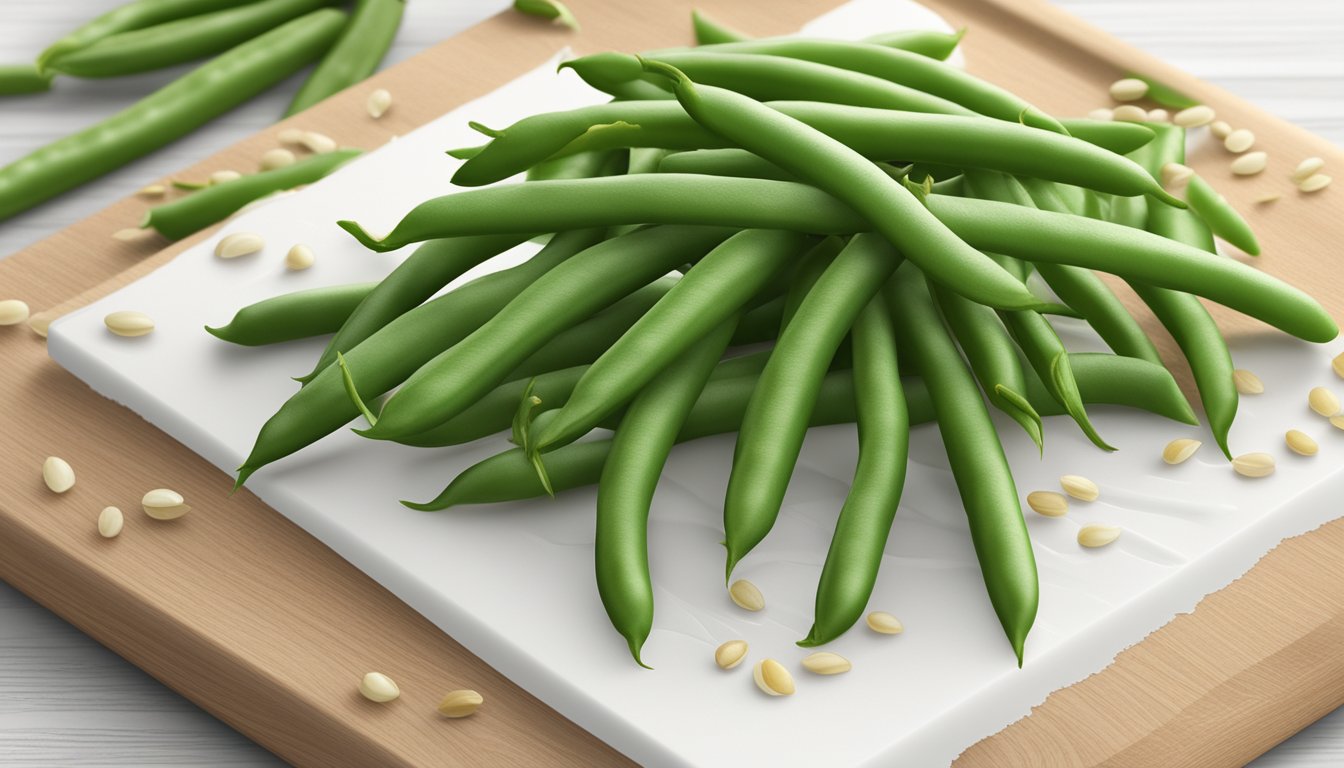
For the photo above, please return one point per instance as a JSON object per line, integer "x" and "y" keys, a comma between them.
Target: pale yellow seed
{"x": 110, "y": 521}
{"x": 1101, "y": 113}
{"x": 1254, "y": 465}
{"x": 129, "y": 323}
{"x": 730, "y": 654}
{"x": 1247, "y": 383}
{"x": 378, "y": 687}
{"x": 291, "y": 136}
{"x": 1323, "y": 401}
{"x": 1250, "y": 163}
{"x": 277, "y": 158}
{"x": 1220, "y": 129}
{"x": 1048, "y": 503}
{"x": 1158, "y": 115}
{"x": 826, "y": 663}
{"x": 1270, "y": 198}
{"x": 773, "y": 678}
{"x": 40, "y": 322}
{"x": 319, "y": 143}
{"x": 1307, "y": 168}
{"x": 884, "y": 623}
{"x": 13, "y": 312}
{"x": 1080, "y": 487}
{"x": 1179, "y": 450}
{"x": 462, "y": 703}
{"x": 746, "y": 595}
{"x": 1095, "y": 535}
{"x": 1300, "y": 443}
{"x": 1315, "y": 183}
{"x": 132, "y": 234}
{"x": 299, "y": 257}
{"x": 1130, "y": 113}
{"x": 222, "y": 177}
{"x": 239, "y": 244}
{"x": 1128, "y": 89}
{"x": 153, "y": 190}
{"x": 1176, "y": 175}
{"x": 1239, "y": 140}
{"x": 378, "y": 103}
{"x": 1337, "y": 422}
{"x": 58, "y": 474}
{"x": 1338, "y": 365}
{"x": 164, "y": 504}
{"x": 1193, "y": 117}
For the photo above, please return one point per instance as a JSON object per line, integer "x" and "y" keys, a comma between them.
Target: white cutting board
{"x": 514, "y": 582}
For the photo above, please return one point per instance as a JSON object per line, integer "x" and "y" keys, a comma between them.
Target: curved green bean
{"x": 133, "y": 15}
{"x": 811, "y": 267}
{"x": 925, "y": 42}
{"x": 1105, "y": 379}
{"x": 1118, "y": 136}
{"x": 291, "y": 316}
{"x": 16, "y": 79}
{"x": 708, "y": 31}
{"x": 1220, "y": 216}
{"x": 356, "y": 54}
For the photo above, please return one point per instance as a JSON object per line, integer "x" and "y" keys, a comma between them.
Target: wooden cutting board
{"x": 260, "y": 624}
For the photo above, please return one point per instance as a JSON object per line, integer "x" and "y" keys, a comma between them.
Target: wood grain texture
{"x": 230, "y": 633}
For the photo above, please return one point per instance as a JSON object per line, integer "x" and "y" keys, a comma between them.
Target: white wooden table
{"x": 66, "y": 701}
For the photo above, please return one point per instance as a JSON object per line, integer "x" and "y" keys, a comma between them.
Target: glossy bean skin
{"x": 200, "y": 209}
{"x": 716, "y": 288}
{"x": 630, "y": 474}
{"x": 925, "y": 42}
{"x": 810, "y": 269}
{"x": 355, "y": 55}
{"x": 395, "y": 351}
{"x": 16, "y": 79}
{"x": 772, "y": 431}
{"x": 462, "y": 374}
{"x": 291, "y": 316}
{"x": 1117, "y": 136}
{"x": 1105, "y": 379}
{"x": 738, "y": 163}
{"x": 1220, "y": 216}
{"x": 134, "y": 15}
{"x": 179, "y": 41}
{"x": 983, "y": 478}
{"x": 169, "y": 113}
{"x": 861, "y": 530}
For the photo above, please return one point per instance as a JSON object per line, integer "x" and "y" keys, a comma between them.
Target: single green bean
{"x": 1220, "y": 216}
{"x": 217, "y": 202}
{"x": 723, "y": 162}
{"x": 810, "y": 269}
{"x": 1116, "y": 135}
{"x": 1048, "y": 357}
{"x": 576, "y": 166}
{"x": 554, "y": 10}
{"x": 925, "y": 42}
{"x": 18, "y": 79}
{"x": 290, "y": 316}
{"x": 708, "y": 31}
{"x": 1164, "y": 94}
{"x": 861, "y": 531}
{"x": 356, "y": 54}
{"x": 1105, "y": 379}
{"x": 177, "y": 42}
{"x": 169, "y": 113}
{"x": 134, "y": 15}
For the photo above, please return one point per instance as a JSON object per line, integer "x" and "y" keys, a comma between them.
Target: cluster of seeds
{"x": 160, "y": 503}
{"x": 381, "y": 689}
{"x": 1055, "y": 504}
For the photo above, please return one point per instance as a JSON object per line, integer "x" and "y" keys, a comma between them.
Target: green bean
{"x": 18, "y": 79}
{"x": 760, "y": 324}
{"x": 395, "y": 351}
{"x": 169, "y": 113}
{"x": 462, "y": 374}
{"x": 893, "y": 65}
{"x": 217, "y": 202}
{"x": 554, "y": 10}
{"x": 925, "y": 42}
{"x": 177, "y": 42}
{"x": 1164, "y": 94}
{"x": 716, "y": 288}
{"x": 1048, "y": 357}
{"x": 580, "y": 165}
{"x": 861, "y": 531}
{"x": 709, "y": 31}
{"x": 724, "y": 162}
{"x": 356, "y": 54}
{"x": 1116, "y": 135}
{"x": 811, "y": 267}
{"x": 1220, "y": 216}
{"x": 975, "y": 455}
{"x": 1106, "y": 379}
{"x": 134, "y": 15}
{"x": 776, "y": 419}
{"x": 630, "y": 476}
{"x": 290, "y": 316}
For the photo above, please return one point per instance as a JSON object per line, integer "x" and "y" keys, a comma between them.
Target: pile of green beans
{"x": 869, "y": 218}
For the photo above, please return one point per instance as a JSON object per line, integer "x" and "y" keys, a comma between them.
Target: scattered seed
{"x": 1130, "y": 113}
{"x": 1080, "y": 487}
{"x": 318, "y": 143}
{"x": 1101, "y": 113}
{"x": 461, "y": 703}
{"x": 1338, "y": 365}
{"x": 58, "y": 474}
{"x": 1323, "y": 401}
{"x": 131, "y": 234}
{"x": 1095, "y": 535}
{"x": 239, "y": 244}
{"x": 1300, "y": 443}
{"x": 1250, "y": 163}
{"x": 826, "y": 663}
{"x": 1270, "y": 198}
{"x": 1128, "y": 89}
{"x": 299, "y": 257}
{"x": 40, "y": 322}
{"x": 110, "y": 521}
{"x": 221, "y": 177}
{"x": 1220, "y": 129}
{"x": 773, "y": 678}
{"x": 1337, "y": 422}
{"x": 1194, "y": 117}
{"x": 1307, "y": 168}
{"x": 1247, "y": 383}
{"x": 1239, "y": 140}
{"x": 378, "y": 103}
{"x": 884, "y": 623}
{"x": 129, "y": 323}
{"x": 1175, "y": 174}
{"x": 1254, "y": 465}
{"x": 163, "y": 504}
{"x": 1048, "y": 503}
{"x": 291, "y": 136}
{"x": 746, "y": 595}
{"x": 1315, "y": 183}
{"x": 1179, "y": 450}
{"x": 378, "y": 687}
{"x": 730, "y": 654}
{"x": 1158, "y": 115}
{"x": 153, "y": 190}
{"x": 13, "y": 312}
{"x": 276, "y": 158}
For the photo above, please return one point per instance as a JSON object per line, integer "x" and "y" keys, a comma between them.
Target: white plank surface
{"x": 66, "y": 701}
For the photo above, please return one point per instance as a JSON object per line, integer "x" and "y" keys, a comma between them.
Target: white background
{"x": 66, "y": 701}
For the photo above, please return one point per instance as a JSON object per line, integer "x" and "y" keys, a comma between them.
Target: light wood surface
{"x": 235, "y": 608}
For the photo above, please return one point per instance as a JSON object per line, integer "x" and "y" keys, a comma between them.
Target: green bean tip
{"x": 484, "y": 129}
{"x": 364, "y": 238}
